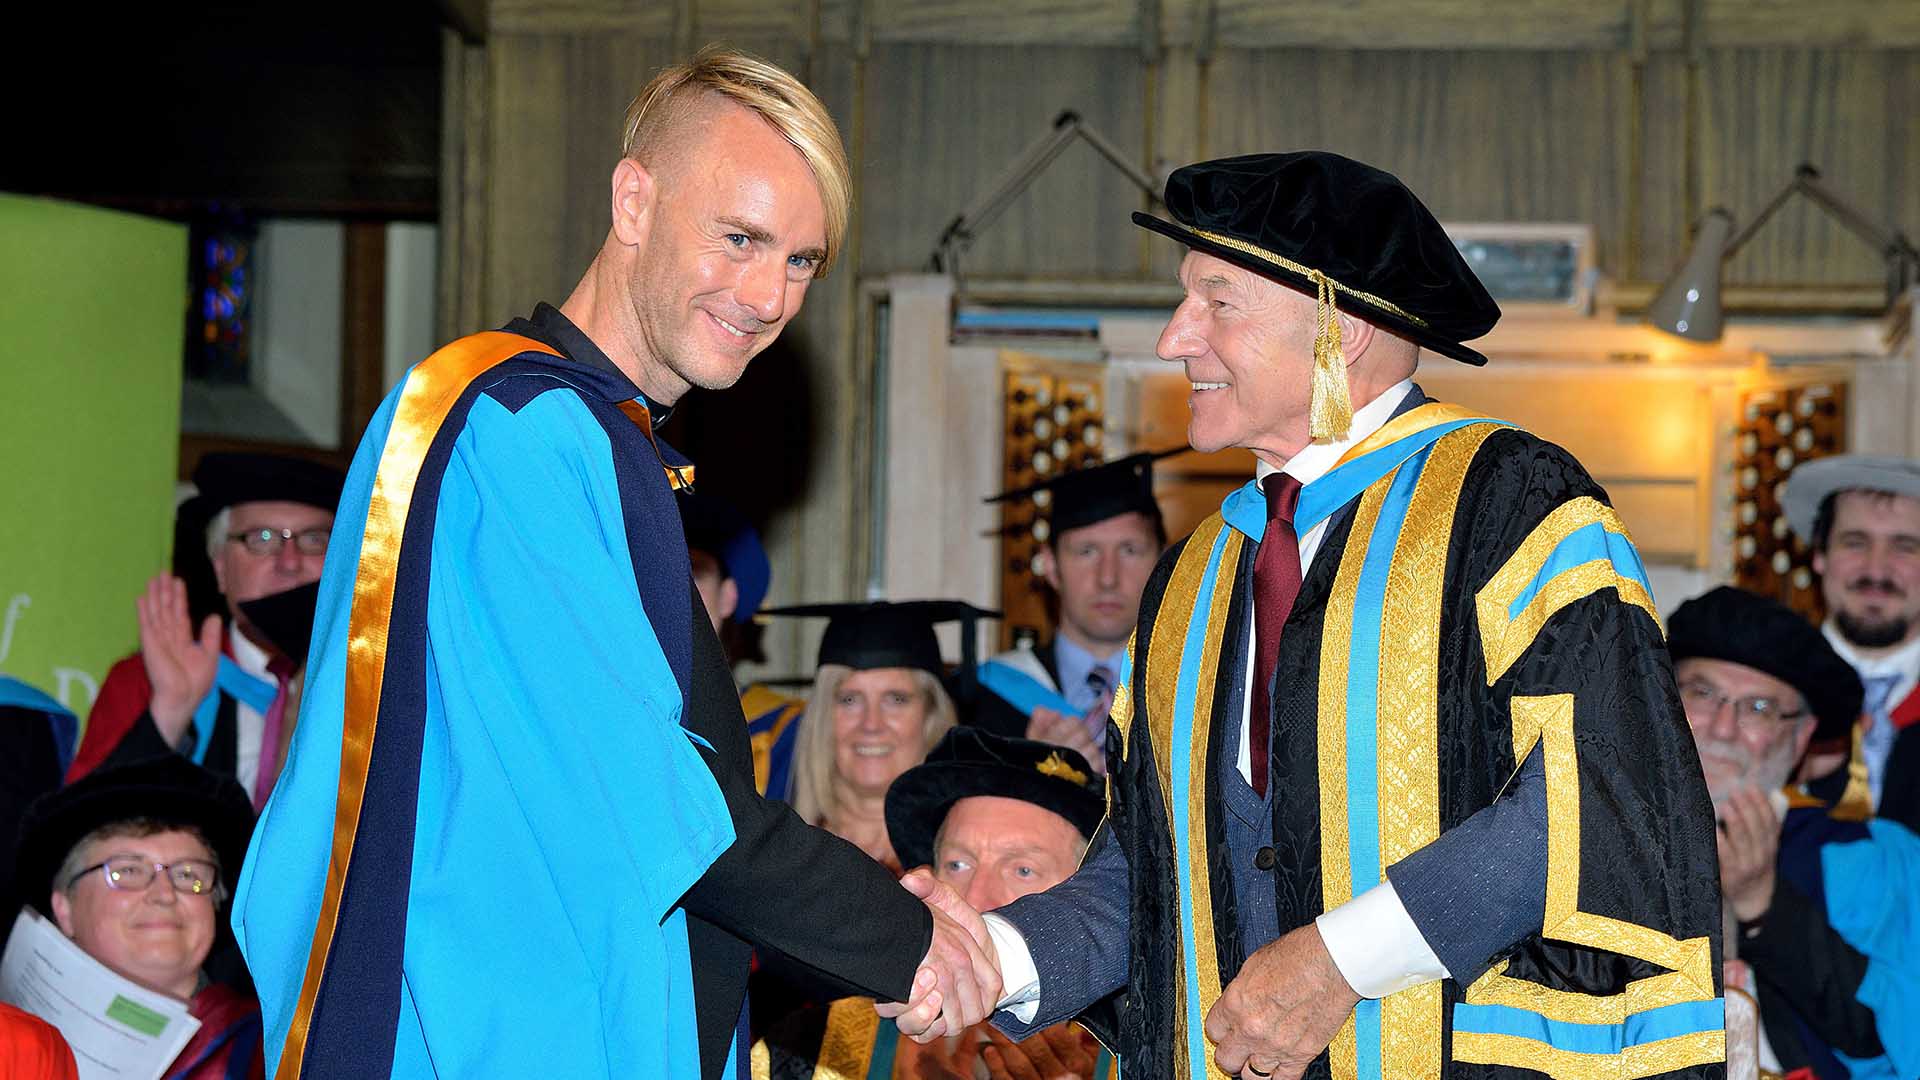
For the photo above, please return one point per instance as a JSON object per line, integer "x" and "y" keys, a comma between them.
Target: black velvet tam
{"x": 1753, "y": 631}
{"x": 1094, "y": 494}
{"x": 170, "y": 790}
{"x": 228, "y": 478}
{"x": 1285, "y": 215}
{"x": 968, "y": 762}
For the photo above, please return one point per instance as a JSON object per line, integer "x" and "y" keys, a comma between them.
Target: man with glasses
{"x": 219, "y": 689}
{"x": 1758, "y": 683}
{"x": 134, "y": 865}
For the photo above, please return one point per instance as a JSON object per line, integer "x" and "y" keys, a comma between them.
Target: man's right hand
{"x": 958, "y": 983}
{"x": 180, "y": 666}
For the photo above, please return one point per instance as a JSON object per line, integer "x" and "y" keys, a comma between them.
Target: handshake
{"x": 958, "y": 983}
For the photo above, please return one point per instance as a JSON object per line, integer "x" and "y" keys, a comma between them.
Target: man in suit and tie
{"x": 1399, "y": 782}
{"x": 1861, "y": 516}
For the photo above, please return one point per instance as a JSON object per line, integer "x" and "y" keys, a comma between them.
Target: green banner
{"x": 90, "y": 366}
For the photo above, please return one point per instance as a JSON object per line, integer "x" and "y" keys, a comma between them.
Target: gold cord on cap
{"x": 1330, "y": 410}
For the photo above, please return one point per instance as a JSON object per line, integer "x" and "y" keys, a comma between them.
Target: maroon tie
{"x": 1276, "y": 581}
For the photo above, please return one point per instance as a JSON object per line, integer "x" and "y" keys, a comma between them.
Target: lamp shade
{"x": 1689, "y": 304}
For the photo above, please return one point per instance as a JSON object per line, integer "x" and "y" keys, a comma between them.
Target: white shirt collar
{"x": 247, "y": 656}
{"x": 1318, "y": 458}
{"x": 1903, "y": 661}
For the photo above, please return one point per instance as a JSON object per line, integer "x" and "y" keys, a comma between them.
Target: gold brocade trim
{"x": 1200, "y": 779}
{"x": 1407, "y": 721}
{"x": 1336, "y": 643}
{"x": 1121, "y": 712}
{"x": 1412, "y": 422}
{"x": 1177, "y": 609}
{"x": 432, "y": 389}
{"x": 1504, "y": 640}
{"x": 1548, "y": 722}
{"x": 760, "y": 1061}
{"x": 1309, "y": 272}
{"x": 1856, "y": 800}
{"x": 1646, "y": 1059}
{"x": 846, "y": 1046}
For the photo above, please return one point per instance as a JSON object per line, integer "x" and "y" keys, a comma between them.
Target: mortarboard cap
{"x": 1094, "y": 494}
{"x": 879, "y": 634}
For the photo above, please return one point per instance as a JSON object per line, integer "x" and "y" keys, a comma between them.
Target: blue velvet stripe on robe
{"x": 561, "y": 809}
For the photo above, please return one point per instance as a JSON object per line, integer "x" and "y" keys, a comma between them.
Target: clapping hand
{"x": 958, "y": 983}
{"x": 180, "y": 666}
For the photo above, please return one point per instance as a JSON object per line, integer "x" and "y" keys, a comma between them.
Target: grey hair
{"x": 217, "y": 532}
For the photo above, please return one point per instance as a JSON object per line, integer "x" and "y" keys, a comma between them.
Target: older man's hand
{"x": 1749, "y": 839}
{"x": 1060, "y": 1052}
{"x": 180, "y": 665}
{"x": 958, "y": 983}
{"x": 1284, "y": 1007}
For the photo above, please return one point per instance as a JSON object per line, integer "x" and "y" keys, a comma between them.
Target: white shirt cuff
{"x": 1019, "y": 978}
{"x": 1376, "y": 946}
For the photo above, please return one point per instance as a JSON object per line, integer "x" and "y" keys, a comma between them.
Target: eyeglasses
{"x": 268, "y": 541}
{"x": 1755, "y": 715}
{"x": 134, "y": 873}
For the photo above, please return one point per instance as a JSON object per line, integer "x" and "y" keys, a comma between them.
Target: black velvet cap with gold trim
{"x": 1346, "y": 232}
{"x": 968, "y": 762}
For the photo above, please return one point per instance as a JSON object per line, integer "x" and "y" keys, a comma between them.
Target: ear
{"x": 635, "y": 198}
{"x": 1045, "y": 566}
{"x": 1356, "y": 335}
{"x": 729, "y": 598}
{"x": 62, "y": 912}
{"x": 1805, "y": 736}
{"x": 1820, "y": 563}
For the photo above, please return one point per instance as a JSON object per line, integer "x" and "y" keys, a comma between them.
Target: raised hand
{"x": 1061, "y": 729}
{"x": 1748, "y": 834}
{"x": 958, "y": 983}
{"x": 1284, "y": 1007}
{"x": 180, "y": 666}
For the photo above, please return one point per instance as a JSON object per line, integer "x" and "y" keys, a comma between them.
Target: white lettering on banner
{"x": 19, "y": 603}
{"x": 68, "y": 676}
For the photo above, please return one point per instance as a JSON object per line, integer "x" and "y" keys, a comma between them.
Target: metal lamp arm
{"x": 1806, "y": 181}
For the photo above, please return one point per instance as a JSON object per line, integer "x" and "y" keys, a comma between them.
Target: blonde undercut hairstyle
{"x": 770, "y": 93}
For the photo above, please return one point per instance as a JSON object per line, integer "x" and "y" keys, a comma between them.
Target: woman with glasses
{"x": 135, "y": 864}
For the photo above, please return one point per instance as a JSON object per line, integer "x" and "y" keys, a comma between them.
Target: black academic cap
{"x": 286, "y": 619}
{"x": 1094, "y": 494}
{"x": 1754, "y": 631}
{"x": 1287, "y": 217}
{"x": 228, "y": 478}
{"x": 879, "y": 634}
{"x": 168, "y": 789}
{"x": 968, "y": 762}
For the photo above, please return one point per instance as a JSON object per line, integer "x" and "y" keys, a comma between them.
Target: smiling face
{"x": 1870, "y": 569}
{"x": 1738, "y": 753}
{"x": 879, "y": 729}
{"x": 730, "y": 233}
{"x": 1247, "y": 346}
{"x": 157, "y": 936}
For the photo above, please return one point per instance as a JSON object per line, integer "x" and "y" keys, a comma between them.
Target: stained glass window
{"x": 220, "y": 314}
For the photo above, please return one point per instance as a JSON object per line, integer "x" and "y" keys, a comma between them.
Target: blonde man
{"x": 518, "y": 833}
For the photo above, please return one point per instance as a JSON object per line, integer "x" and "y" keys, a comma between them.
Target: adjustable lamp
{"x": 1688, "y": 305}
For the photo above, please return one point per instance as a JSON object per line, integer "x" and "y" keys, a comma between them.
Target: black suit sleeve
{"x": 142, "y": 742}
{"x": 786, "y": 885}
{"x": 1804, "y": 961}
{"x": 783, "y": 884}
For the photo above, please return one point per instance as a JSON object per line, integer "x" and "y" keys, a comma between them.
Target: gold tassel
{"x": 1330, "y": 411}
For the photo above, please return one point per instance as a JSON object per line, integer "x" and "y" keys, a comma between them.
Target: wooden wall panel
{"x": 943, "y": 122}
{"x": 1481, "y": 136}
{"x": 1665, "y": 221}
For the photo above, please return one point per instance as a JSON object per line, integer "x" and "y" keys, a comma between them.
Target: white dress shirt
{"x": 1903, "y": 665}
{"x": 249, "y": 725}
{"x": 1372, "y": 939}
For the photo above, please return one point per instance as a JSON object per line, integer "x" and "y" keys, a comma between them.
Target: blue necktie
{"x": 1877, "y": 743}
